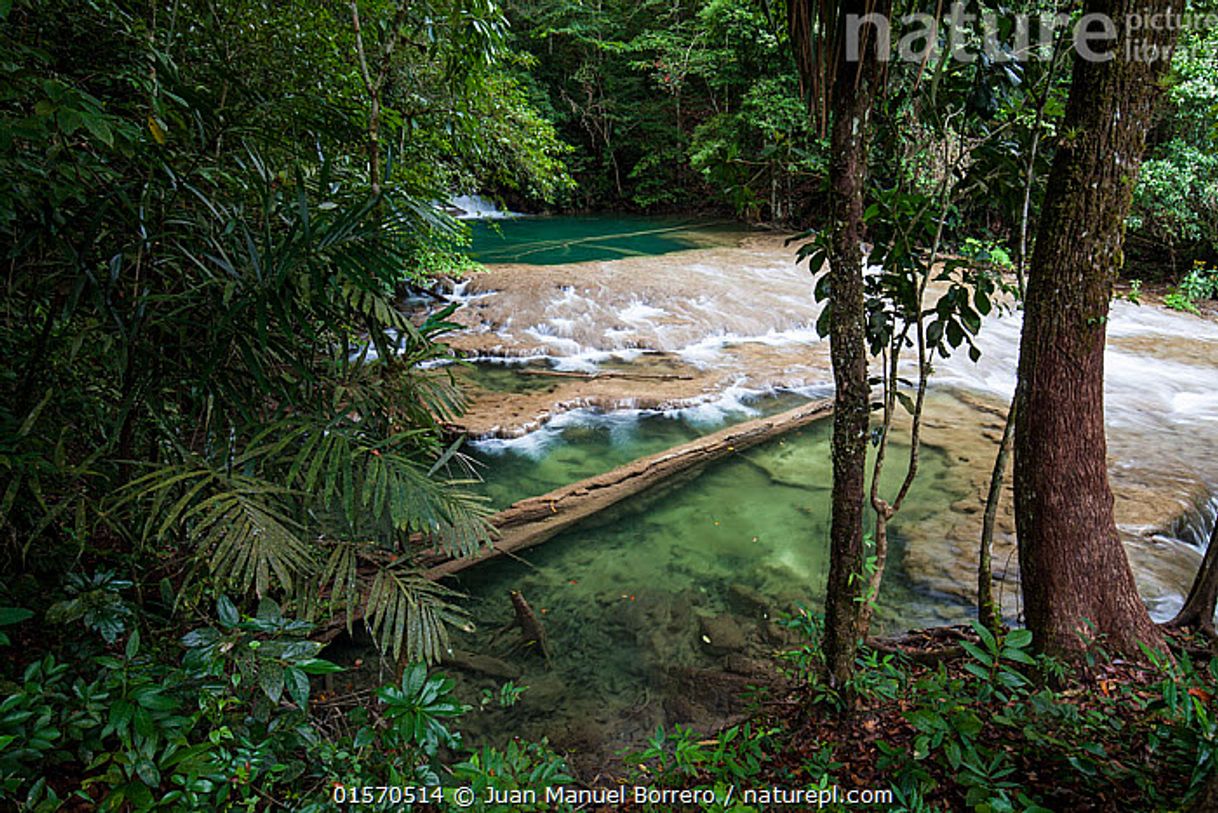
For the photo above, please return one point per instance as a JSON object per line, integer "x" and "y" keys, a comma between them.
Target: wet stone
{"x": 685, "y": 711}
{"x": 721, "y": 633}
{"x": 965, "y": 507}
{"x": 481, "y": 665}
{"x": 748, "y": 601}
{"x": 749, "y": 667}
{"x": 680, "y": 613}
{"x": 544, "y": 692}
{"x": 778, "y": 635}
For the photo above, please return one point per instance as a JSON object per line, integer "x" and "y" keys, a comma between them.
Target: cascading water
{"x": 1161, "y": 409}
{"x": 627, "y": 357}
{"x": 476, "y": 207}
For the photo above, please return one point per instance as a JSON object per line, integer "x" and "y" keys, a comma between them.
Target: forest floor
{"x": 1089, "y": 741}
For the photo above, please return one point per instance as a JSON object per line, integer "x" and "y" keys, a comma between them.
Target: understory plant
{"x": 971, "y": 728}
{"x": 721, "y": 764}
{"x": 1200, "y": 284}
{"x": 222, "y": 720}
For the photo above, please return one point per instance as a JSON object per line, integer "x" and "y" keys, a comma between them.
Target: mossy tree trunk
{"x": 848, "y": 349}
{"x": 845, "y": 88}
{"x": 1076, "y": 578}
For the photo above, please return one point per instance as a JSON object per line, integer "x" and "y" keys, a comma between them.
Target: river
{"x": 665, "y": 331}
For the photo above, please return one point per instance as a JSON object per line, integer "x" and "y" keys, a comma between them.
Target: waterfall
{"x": 1194, "y": 526}
{"x": 476, "y": 207}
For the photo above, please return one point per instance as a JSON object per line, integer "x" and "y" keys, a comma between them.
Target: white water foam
{"x": 476, "y": 207}
{"x": 735, "y": 402}
{"x": 1139, "y": 390}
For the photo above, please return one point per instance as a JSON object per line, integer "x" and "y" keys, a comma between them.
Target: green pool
{"x": 626, "y": 596}
{"x": 554, "y": 240}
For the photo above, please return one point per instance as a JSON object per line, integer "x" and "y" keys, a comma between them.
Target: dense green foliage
{"x": 667, "y": 103}
{"x": 205, "y": 358}
{"x": 219, "y": 433}
{"x": 208, "y": 385}
{"x": 680, "y": 105}
{"x": 230, "y": 727}
{"x": 1176, "y": 203}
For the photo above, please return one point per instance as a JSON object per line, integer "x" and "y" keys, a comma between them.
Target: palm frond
{"x": 236, "y": 522}
{"x": 247, "y": 541}
{"x": 340, "y": 575}
{"x": 385, "y": 484}
{"x": 409, "y": 614}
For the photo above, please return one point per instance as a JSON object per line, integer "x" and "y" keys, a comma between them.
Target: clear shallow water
{"x": 760, "y": 516}
{"x": 623, "y": 596}
{"x": 546, "y": 240}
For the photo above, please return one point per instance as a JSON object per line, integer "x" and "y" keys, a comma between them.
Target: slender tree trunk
{"x": 1198, "y": 609}
{"x": 844, "y": 88}
{"x": 850, "y": 113}
{"x": 1076, "y": 577}
{"x": 374, "y": 102}
{"x": 988, "y": 611}
{"x": 374, "y": 83}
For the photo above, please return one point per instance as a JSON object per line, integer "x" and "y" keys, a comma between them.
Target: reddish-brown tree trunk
{"x": 1076, "y": 578}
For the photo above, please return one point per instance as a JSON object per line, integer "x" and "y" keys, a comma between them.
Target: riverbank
{"x": 712, "y": 326}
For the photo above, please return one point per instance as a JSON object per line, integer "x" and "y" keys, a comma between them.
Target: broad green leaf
{"x": 227, "y": 612}
{"x": 1019, "y": 638}
{"x": 133, "y": 645}
{"x": 14, "y": 615}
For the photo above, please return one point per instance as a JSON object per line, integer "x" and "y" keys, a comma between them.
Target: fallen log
{"x": 535, "y": 520}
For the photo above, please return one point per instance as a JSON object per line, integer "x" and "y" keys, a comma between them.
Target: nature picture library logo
{"x": 968, "y": 34}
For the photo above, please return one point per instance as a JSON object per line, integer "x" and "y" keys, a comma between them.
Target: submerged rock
{"x": 679, "y": 709}
{"x": 748, "y": 601}
{"x": 749, "y": 667}
{"x": 681, "y": 612}
{"x": 721, "y": 633}
{"x": 481, "y": 665}
{"x": 718, "y": 691}
{"x": 778, "y": 635}
{"x": 544, "y": 692}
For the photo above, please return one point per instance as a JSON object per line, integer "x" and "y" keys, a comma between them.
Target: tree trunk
{"x": 1076, "y": 577}
{"x": 818, "y": 36}
{"x": 850, "y": 112}
{"x": 1198, "y": 609}
{"x": 374, "y": 101}
{"x": 988, "y": 611}
{"x": 374, "y": 84}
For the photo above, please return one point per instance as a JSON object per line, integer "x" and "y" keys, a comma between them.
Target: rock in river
{"x": 481, "y": 664}
{"x": 721, "y": 634}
